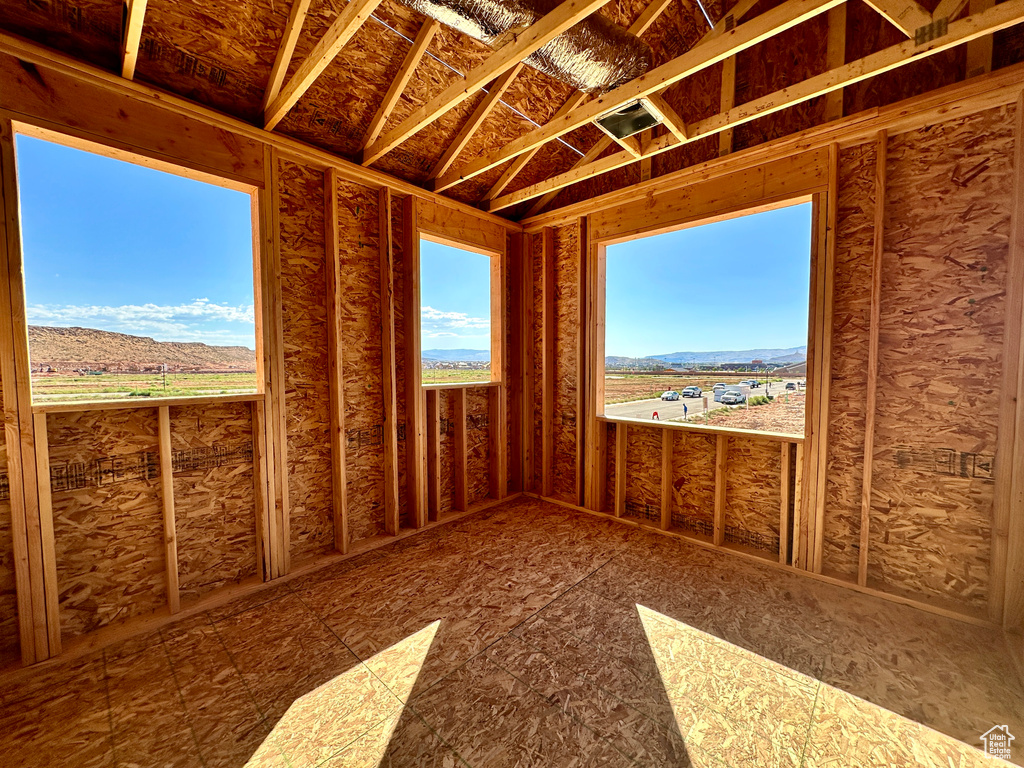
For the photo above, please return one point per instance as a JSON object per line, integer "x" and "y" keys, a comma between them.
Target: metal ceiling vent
{"x": 630, "y": 119}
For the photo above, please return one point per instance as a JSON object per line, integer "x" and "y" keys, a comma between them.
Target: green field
{"x": 450, "y": 376}
{"x": 53, "y": 387}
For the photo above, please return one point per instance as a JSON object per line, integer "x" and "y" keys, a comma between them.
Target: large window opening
{"x": 455, "y": 314}
{"x": 708, "y": 325}
{"x": 138, "y": 283}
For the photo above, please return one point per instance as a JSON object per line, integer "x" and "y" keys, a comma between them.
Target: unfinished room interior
{"x": 339, "y": 426}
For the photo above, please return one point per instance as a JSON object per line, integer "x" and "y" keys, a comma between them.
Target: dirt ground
{"x": 784, "y": 414}
{"x": 623, "y": 387}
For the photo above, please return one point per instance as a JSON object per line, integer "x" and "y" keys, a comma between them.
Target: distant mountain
{"x": 776, "y": 356}
{"x": 616, "y": 361}
{"x": 457, "y": 355}
{"x": 69, "y": 349}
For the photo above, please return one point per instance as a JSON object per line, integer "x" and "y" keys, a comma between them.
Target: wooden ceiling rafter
{"x": 565, "y": 15}
{"x": 643, "y": 22}
{"x": 948, "y": 9}
{"x": 727, "y": 22}
{"x": 402, "y": 77}
{"x": 326, "y": 50}
{"x": 1002, "y": 16}
{"x": 577, "y": 98}
{"x": 472, "y": 125}
{"x": 906, "y": 15}
{"x": 670, "y": 118}
{"x": 285, "y": 51}
{"x": 131, "y": 36}
{"x": 703, "y": 55}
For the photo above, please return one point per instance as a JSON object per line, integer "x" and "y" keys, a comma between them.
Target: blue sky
{"x": 732, "y": 285}
{"x": 455, "y": 298}
{"x": 119, "y": 247}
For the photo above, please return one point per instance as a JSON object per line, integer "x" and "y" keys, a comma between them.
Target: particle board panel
{"x": 940, "y": 347}
{"x": 446, "y": 405}
{"x": 218, "y": 53}
{"x": 307, "y": 395}
{"x": 107, "y": 517}
{"x": 753, "y": 494}
{"x": 538, "y": 358}
{"x": 610, "y": 473}
{"x": 567, "y": 313}
{"x": 478, "y": 444}
{"x": 87, "y": 29}
{"x": 693, "y": 483}
{"x": 362, "y": 364}
{"x": 643, "y": 473}
{"x": 867, "y": 32}
{"x": 781, "y": 61}
{"x": 214, "y": 497}
{"x": 398, "y": 281}
{"x": 9, "y": 636}
{"x": 855, "y": 233}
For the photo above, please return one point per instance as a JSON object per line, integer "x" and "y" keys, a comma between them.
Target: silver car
{"x": 733, "y": 397}
{"x": 670, "y": 395}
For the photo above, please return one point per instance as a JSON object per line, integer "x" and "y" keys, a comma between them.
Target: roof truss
{"x": 567, "y": 14}
{"x": 701, "y": 56}
{"x": 337, "y": 35}
{"x": 972, "y": 27}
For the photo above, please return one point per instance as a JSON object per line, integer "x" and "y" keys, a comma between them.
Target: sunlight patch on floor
{"x": 350, "y": 719}
{"x": 748, "y": 710}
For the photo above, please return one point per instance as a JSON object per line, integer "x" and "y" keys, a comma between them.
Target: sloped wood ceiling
{"x": 220, "y": 53}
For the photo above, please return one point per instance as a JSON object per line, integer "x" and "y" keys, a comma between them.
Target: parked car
{"x": 791, "y": 385}
{"x": 670, "y": 395}
{"x": 692, "y": 392}
{"x": 733, "y": 397}
{"x": 719, "y": 387}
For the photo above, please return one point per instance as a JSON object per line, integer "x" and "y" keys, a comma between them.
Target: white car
{"x": 733, "y": 397}
{"x": 670, "y": 395}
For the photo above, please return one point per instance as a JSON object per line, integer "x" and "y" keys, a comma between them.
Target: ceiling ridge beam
{"x": 397, "y": 87}
{"x": 565, "y": 15}
{"x": 700, "y": 57}
{"x": 296, "y": 18}
{"x": 131, "y": 36}
{"x": 482, "y": 111}
{"x": 906, "y": 15}
{"x": 335, "y": 38}
{"x": 992, "y": 20}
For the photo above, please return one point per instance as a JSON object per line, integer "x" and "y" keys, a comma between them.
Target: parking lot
{"x": 669, "y": 409}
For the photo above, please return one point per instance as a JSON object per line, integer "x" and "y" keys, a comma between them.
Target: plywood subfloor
{"x": 529, "y": 635}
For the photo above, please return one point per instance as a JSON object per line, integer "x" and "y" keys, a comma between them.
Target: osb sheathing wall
{"x": 948, "y": 199}
{"x": 107, "y": 500}
{"x": 8, "y": 590}
{"x": 304, "y": 316}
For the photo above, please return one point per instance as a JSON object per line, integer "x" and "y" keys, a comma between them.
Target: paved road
{"x": 673, "y": 409}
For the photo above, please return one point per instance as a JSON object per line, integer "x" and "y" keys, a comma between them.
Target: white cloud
{"x": 198, "y": 320}
{"x": 438, "y": 324}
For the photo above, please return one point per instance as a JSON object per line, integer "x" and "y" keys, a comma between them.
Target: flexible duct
{"x": 595, "y": 55}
